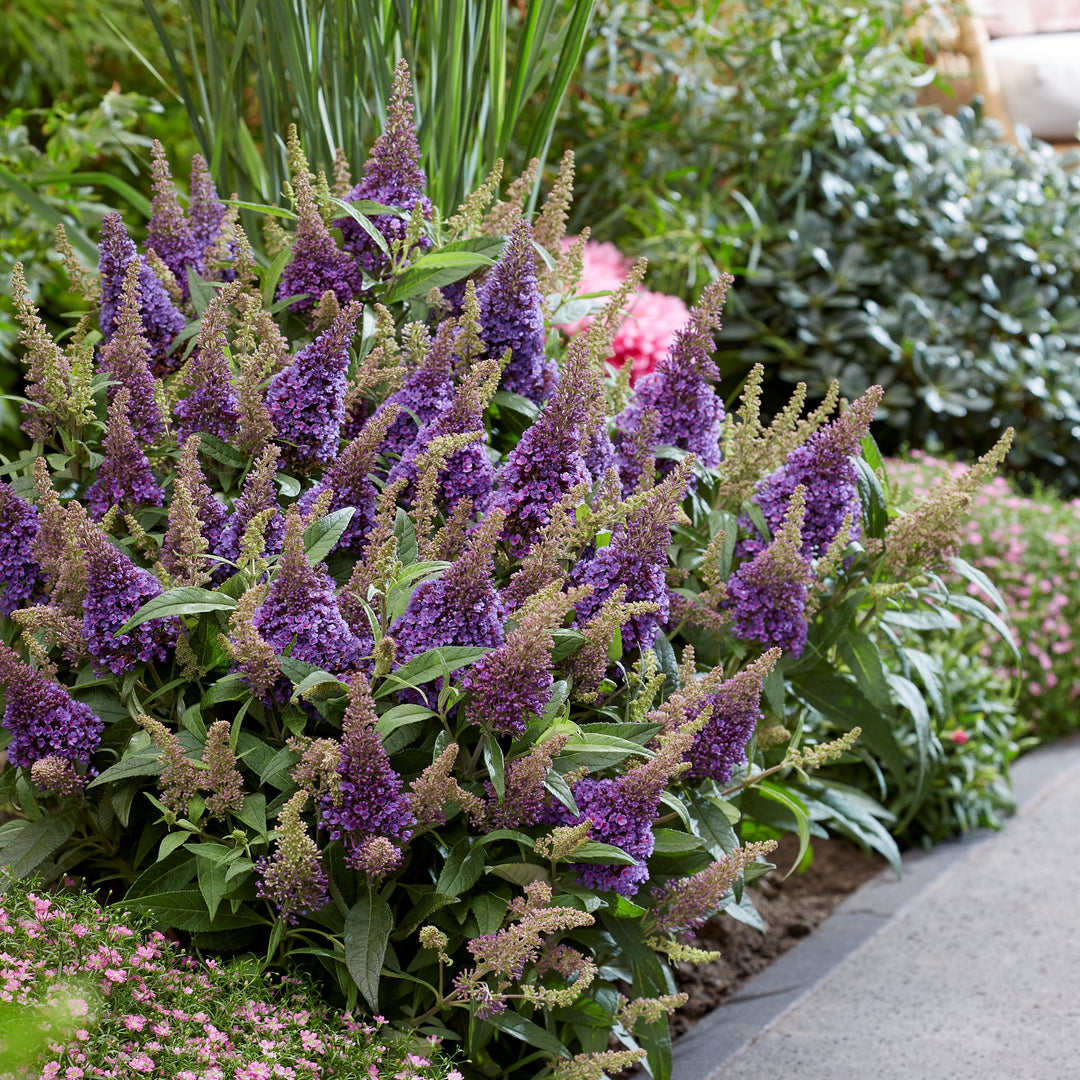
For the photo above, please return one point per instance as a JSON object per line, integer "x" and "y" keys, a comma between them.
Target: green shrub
{"x": 357, "y": 634}
{"x": 876, "y": 243}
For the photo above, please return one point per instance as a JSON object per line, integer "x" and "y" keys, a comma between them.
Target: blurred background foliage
{"x": 873, "y": 241}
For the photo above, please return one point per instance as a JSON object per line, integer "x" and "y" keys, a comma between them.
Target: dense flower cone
{"x": 116, "y": 589}
{"x": 636, "y": 558}
{"x": 306, "y": 401}
{"x": 428, "y": 391}
{"x": 369, "y": 803}
{"x": 459, "y": 608}
{"x": 161, "y": 320}
{"x": 168, "y": 233}
{"x": 393, "y": 177}
{"x": 512, "y": 317}
{"x": 20, "y": 575}
{"x": 548, "y": 461}
{"x": 689, "y": 410}
{"x": 124, "y": 478}
{"x": 768, "y": 595}
{"x": 736, "y": 709}
{"x": 317, "y": 265}
{"x": 258, "y": 495}
{"x": 43, "y": 719}
{"x": 823, "y": 466}
{"x": 301, "y": 609}
{"x": 211, "y": 405}
{"x": 126, "y": 358}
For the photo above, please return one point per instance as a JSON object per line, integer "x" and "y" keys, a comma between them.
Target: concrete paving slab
{"x": 967, "y": 967}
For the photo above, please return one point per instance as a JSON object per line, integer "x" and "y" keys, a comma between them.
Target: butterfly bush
{"x": 382, "y": 623}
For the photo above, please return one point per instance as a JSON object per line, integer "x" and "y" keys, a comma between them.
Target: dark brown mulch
{"x": 790, "y": 908}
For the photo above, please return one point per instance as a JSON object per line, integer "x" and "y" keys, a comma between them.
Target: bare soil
{"x": 790, "y": 909}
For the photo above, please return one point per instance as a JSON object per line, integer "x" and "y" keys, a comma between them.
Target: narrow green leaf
{"x": 496, "y": 766}
{"x": 430, "y": 665}
{"x": 513, "y": 1023}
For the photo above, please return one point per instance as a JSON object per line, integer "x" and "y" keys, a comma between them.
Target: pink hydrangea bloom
{"x": 653, "y": 318}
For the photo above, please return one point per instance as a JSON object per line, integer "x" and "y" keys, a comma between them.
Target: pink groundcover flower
{"x": 652, "y": 318}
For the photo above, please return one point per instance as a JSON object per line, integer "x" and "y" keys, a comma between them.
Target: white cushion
{"x": 1040, "y": 81}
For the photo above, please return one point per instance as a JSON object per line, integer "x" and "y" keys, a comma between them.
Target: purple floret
{"x": 547, "y": 462}
{"x": 392, "y": 177}
{"x": 306, "y": 401}
{"x": 167, "y": 232}
{"x": 689, "y": 411}
{"x": 617, "y": 818}
{"x": 43, "y": 719}
{"x": 768, "y": 603}
{"x": 512, "y": 317}
{"x": 459, "y": 608}
{"x": 300, "y": 609}
{"x": 124, "y": 478}
{"x": 116, "y": 589}
{"x": 19, "y": 573}
{"x": 161, "y": 320}
{"x": 823, "y": 465}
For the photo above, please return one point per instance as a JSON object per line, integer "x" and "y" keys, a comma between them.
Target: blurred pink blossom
{"x": 652, "y": 318}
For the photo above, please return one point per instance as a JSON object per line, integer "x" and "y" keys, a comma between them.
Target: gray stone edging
{"x": 702, "y": 1053}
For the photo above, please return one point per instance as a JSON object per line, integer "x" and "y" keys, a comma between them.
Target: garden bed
{"x": 791, "y": 908}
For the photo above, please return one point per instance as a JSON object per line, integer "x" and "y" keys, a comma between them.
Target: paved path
{"x": 967, "y": 969}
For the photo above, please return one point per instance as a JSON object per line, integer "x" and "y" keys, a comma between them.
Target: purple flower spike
{"x": 161, "y": 320}
{"x": 257, "y": 495}
{"x": 116, "y": 589}
{"x": 370, "y": 801}
{"x": 301, "y": 609}
{"x": 768, "y": 595}
{"x": 350, "y": 482}
{"x": 512, "y": 317}
{"x": 306, "y": 401}
{"x": 393, "y": 177}
{"x": 19, "y": 573}
{"x": 822, "y": 466}
{"x": 736, "y": 709}
{"x": 547, "y": 461}
{"x": 126, "y": 359}
{"x": 43, "y": 719}
{"x": 469, "y": 472}
{"x": 212, "y": 405}
{"x": 459, "y": 608}
{"x": 168, "y": 232}
{"x": 206, "y": 212}
{"x": 636, "y": 557}
{"x": 124, "y": 477}
{"x": 622, "y": 811}
{"x": 690, "y": 412}
{"x": 317, "y": 263}
{"x": 427, "y": 392}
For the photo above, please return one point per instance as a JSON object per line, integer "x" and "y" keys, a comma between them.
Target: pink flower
{"x": 142, "y": 1063}
{"x": 959, "y": 737}
{"x": 135, "y": 1023}
{"x": 652, "y": 318}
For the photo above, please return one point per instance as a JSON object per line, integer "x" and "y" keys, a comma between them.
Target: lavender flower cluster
{"x": 440, "y": 660}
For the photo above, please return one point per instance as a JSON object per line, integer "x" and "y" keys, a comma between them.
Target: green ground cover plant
{"x": 359, "y": 622}
{"x": 873, "y": 242}
{"x": 95, "y": 992}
